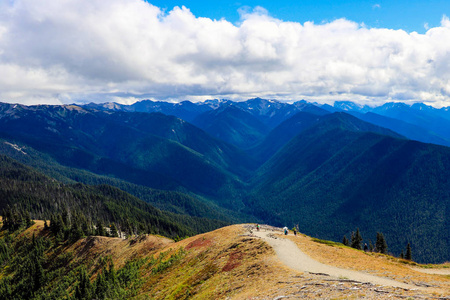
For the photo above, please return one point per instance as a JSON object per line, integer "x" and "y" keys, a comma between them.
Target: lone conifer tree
{"x": 345, "y": 241}
{"x": 408, "y": 254}
{"x": 356, "y": 240}
{"x": 381, "y": 244}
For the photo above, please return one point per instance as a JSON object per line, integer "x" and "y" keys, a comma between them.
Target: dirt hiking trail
{"x": 288, "y": 252}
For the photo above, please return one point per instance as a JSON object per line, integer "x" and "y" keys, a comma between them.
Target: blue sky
{"x": 369, "y": 52}
{"x": 412, "y": 15}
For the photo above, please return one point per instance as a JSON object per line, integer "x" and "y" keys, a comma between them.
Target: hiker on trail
{"x": 295, "y": 231}
{"x": 286, "y": 230}
{"x": 257, "y": 227}
{"x": 365, "y": 247}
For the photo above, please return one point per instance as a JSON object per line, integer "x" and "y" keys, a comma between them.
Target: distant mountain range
{"x": 329, "y": 169}
{"x": 417, "y": 122}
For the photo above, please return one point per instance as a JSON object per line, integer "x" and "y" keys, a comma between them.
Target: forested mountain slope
{"x": 331, "y": 179}
{"x": 26, "y": 194}
{"x": 147, "y": 149}
{"x": 232, "y": 125}
{"x": 173, "y": 201}
{"x": 301, "y": 121}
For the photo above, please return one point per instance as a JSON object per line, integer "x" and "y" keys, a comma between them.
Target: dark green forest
{"x": 25, "y": 192}
{"x": 38, "y": 266}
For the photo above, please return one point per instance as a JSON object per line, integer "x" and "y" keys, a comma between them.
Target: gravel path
{"x": 288, "y": 252}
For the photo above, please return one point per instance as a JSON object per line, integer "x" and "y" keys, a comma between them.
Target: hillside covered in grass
{"x": 228, "y": 263}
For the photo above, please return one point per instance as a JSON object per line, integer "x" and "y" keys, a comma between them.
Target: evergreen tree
{"x": 408, "y": 255}
{"x": 113, "y": 230}
{"x": 402, "y": 256}
{"x": 100, "y": 230}
{"x": 85, "y": 226}
{"x": 28, "y": 220}
{"x": 101, "y": 286}
{"x": 30, "y": 275}
{"x": 14, "y": 218}
{"x": 57, "y": 225}
{"x": 6, "y": 292}
{"x": 84, "y": 287}
{"x": 356, "y": 239}
{"x": 381, "y": 244}
{"x": 38, "y": 259}
{"x": 4, "y": 251}
{"x": 345, "y": 241}
{"x": 75, "y": 232}
{"x": 371, "y": 247}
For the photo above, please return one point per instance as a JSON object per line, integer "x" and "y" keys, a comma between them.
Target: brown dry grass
{"x": 229, "y": 263}
{"x": 220, "y": 264}
{"x": 373, "y": 263}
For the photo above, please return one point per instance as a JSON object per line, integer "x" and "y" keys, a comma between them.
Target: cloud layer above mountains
{"x": 69, "y": 51}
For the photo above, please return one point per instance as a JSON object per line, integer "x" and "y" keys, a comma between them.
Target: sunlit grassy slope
{"x": 230, "y": 263}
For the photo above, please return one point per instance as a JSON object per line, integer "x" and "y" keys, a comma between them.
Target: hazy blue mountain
{"x": 282, "y": 134}
{"x": 310, "y": 108}
{"x": 418, "y": 121}
{"x": 351, "y": 106}
{"x": 272, "y": 112}
{"x": 329, "y": 108}
{"x": 410, "y": 131}
{"x": 185, "y": 110}
{"x": 232, "y": 125}
{"x": 269, "y": 112}
{"x": 419, "y": 115}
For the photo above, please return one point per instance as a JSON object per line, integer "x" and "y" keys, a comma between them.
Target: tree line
{"x": 380, "y": 245}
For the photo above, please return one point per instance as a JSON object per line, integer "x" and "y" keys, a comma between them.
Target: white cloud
{"x": 120, "y": 50}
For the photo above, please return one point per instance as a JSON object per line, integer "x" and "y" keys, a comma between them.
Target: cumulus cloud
{"x": 78, "y": 51}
